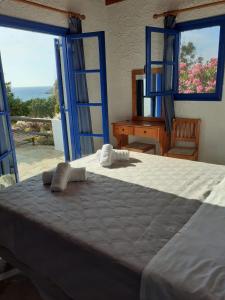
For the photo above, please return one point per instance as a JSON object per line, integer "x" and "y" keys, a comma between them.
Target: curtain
{"x": 84, "y": 114}
{"x": 169, "y": 23}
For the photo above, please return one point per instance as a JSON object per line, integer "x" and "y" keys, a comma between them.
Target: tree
{"x": 188, "y": 54}
{"x": 42, "y": 108}
{"x": 17, "y": 106}
{"x": 36, "y": 108}
{"x": 56, "y": 96}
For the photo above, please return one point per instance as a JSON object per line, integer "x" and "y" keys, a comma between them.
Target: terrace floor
{"x": 33, "y": 160}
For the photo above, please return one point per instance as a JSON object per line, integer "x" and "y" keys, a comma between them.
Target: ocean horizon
{"x": 28, "y": 93}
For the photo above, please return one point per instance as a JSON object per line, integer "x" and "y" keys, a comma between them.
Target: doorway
{"x": 28, "y": 61}
{"x": 83, "y": 118}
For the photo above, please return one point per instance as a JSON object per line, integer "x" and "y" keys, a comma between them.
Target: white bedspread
{"x": 192, "y": 264}
{"x": 192, "y": 180}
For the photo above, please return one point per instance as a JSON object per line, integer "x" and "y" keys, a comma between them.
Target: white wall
{"x": 126, "y": 41}
{"x": 124, "y": 24}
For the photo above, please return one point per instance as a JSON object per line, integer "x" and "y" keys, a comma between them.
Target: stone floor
{"x": 33, "y": 160}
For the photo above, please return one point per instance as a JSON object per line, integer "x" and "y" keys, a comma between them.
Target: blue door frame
{"x": 4, "y": 113}
{"x": 63, "y": 32}
{"x": 76, "y": 133}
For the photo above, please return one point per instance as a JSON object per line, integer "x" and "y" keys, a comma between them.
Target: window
{"x": 193, "y": 65}
{"x": 201, "y": 60}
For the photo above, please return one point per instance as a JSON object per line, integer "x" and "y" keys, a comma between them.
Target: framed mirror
{"x": 145, "y": 108}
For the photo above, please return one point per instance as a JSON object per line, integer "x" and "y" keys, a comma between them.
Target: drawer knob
{"x": 122, "y": 129}
{"x": 145, "y": 131}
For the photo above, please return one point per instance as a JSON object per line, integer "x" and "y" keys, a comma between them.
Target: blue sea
{"x": 27, "y": 93}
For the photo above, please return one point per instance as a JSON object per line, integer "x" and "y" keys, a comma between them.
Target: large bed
{"x": 112, "y": 236}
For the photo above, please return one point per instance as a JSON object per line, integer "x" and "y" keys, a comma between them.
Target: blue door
{"x": 84, "y": 115}
{"x": 8, "y": 164}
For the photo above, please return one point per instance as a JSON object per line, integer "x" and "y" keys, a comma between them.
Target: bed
{"x": 97, "y": 240}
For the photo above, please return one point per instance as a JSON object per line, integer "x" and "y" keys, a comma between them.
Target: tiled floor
{"x": 33, "y": 160}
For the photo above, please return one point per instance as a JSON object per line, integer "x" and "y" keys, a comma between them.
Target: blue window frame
{"x": 212, "y": 91}
{"x": 162, "y": 89}
{"x": 8, "y": 161}
{"x": 209, "y": 88}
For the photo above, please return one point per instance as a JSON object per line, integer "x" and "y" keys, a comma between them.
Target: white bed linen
{"x": 192, "y": 180}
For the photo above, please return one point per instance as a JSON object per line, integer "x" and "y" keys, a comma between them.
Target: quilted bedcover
{"x": 94, "y": 240}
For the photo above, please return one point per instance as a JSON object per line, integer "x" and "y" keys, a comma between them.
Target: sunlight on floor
{"x": 33, "y": 160}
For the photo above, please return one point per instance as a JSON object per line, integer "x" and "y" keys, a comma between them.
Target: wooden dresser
{"x": 154, "y": 130}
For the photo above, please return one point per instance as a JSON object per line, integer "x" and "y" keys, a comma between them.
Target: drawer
{"x": 146, "y": 132}
{"x": 126, "y": 130}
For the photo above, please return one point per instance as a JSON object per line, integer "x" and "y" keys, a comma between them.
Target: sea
{"x": 27, "y": 93}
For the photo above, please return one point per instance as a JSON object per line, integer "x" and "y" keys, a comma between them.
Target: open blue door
{"x": 84, "y": 115}
{"x": 156, "y": 41}
{"x": 8, "y": 164}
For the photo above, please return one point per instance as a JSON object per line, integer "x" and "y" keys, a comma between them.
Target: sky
{"x": 206, "y": 41}
{"x": 28, "y": 58}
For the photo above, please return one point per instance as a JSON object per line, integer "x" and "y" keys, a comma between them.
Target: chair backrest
{"x": 186, "y": 130}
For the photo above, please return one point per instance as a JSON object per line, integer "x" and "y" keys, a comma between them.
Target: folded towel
{"x": 61, "y": 177}
{"x": 116, "y": 155}
{"x": 106, "y": 155}
{"x": 98, "y": 155}
{"x": 121, "y": 155}
{"x": 76, "y": 174}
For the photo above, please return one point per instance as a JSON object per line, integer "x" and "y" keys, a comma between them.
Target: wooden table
{"x": 154, "y": 130}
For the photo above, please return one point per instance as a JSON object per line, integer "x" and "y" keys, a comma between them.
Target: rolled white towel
{"x": 76, "y": 174}
{"x": 98, "y": 155}
{"x": 121, "y": 155}
{"x": 61, "y": 177}
{"x": 106, "y": 155}
{"x": 116, "y": 155}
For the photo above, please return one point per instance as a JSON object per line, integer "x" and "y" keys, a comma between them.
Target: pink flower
{"x": 199, "y": 89}
{"x": 200, "y": 77}
{"x": 196, "y": 69}
{"x": 183, "y": 65}
{"x": 208, "y": 89}
{"x": 188, "y": 91}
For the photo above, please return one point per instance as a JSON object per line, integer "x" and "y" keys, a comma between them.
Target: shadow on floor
{"x": 18, "y": 288}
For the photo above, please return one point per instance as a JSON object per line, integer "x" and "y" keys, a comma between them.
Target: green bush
{"x": 35, "y": 108}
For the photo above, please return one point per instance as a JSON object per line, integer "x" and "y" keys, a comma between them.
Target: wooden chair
{"x": 185, "y": 131}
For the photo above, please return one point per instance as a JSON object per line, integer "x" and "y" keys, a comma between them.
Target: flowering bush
{"x": 198, "y": 78}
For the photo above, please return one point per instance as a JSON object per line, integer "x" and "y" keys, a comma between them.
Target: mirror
{"x": 145, "y": 107}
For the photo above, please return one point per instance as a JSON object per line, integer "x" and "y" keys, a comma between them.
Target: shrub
{"x": 198, "y": 78}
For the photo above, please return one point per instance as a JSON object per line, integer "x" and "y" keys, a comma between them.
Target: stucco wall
{"x": 124, "y": 24}
{"x": 126, "y": 41}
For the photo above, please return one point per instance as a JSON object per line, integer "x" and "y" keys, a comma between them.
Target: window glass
{"x": 198, "y": 60}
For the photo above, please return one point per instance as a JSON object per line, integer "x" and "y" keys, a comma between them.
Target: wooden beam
{"x": 109, "y": 2}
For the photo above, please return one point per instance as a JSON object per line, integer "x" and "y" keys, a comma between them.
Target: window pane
{"x": 199, "y": 50}
{"x": 92, "y": 82}
{"x": 162, "y": 40}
